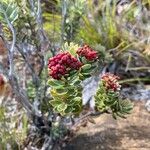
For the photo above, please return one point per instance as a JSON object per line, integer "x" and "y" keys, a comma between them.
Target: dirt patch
{"x": 132, "y": 133}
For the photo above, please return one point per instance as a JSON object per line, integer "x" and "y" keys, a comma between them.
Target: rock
{"x": 147, "y": 105}
{"x": 90, "y": 86}
{"x": 136, "y": 93}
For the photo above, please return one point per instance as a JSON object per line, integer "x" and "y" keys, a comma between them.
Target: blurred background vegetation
{"x": 119, "y": 29}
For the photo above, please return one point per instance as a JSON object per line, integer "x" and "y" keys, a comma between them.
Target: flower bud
{"x": 111, "y": 81}
{"x": 61, "y": 64}
{"x": 87, "y": 52}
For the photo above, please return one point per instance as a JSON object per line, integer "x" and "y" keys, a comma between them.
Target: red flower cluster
{"x": 1, "y": 80}
{"x": 111, "y": 81}
{"x": 87, "y": 52}
{"x": 61, "y": 64}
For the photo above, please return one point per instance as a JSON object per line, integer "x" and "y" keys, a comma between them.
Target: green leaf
{"x": 71, "y": 101}
{"x": 86, "y": 75}
{"x": 126, "y": 105}
{"x": 77, "y": 99}
{"x": 110, "y": 102}
{"x": 62, "y": 91}
{"x": 114, "y": 115}
{"x": 9, "y": 9}
{"x": 62, "y": 107}
{"x": 86, "y": 67}
{"x": 76, "y": 109}
{"x": 120, "y": 115}
{"x": 56, "y": 84}
{"x": 71, "y": 90}
{"x": 57, "y": 95}
{"x": 76, "y": 82}
{"x": 72, "y": 74}
{"x": 68, "y": 109}
{"x": 55, "y": 103}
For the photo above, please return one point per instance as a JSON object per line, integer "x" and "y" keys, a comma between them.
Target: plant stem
{"x": 134, "y": 80}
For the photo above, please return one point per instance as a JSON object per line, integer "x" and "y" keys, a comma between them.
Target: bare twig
{"x": 38, "y": 17}
{"x": 80, "y": 120}
{"x": 19, "y": 92}
{"x": 31, "y": 69}
{"x": 11, "y": 51}
{"x": 3, "y": 70}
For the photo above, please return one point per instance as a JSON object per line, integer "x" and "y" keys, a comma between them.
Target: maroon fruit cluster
{"x": 61, "y": 64}
{"x": 111, "y": 81}
{"x": 87, "y": 52}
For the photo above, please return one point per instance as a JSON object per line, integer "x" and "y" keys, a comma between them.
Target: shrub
{"x": 66, "y": 89}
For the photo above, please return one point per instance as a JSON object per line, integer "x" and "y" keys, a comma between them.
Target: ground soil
{"x": 132, "y": 133}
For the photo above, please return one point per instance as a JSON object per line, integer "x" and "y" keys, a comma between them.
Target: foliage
{"x": 71, "y": 14}
{"x": 101, "y": 27}
{"x": 136, "y": 17}
{"x": 120, "y": 29}
{"x": 66, "y": 91}
{"x": 116, "y": 31}
{"x": 35, "y": 36}
{"x": 110, "y": 100}
{"x": 9, "y": 135}
{"x": 52, "y": 19}
{"x": 8, "y": 13}
{"x": 11, "y": 11}
{"x": 67, "y": 98}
